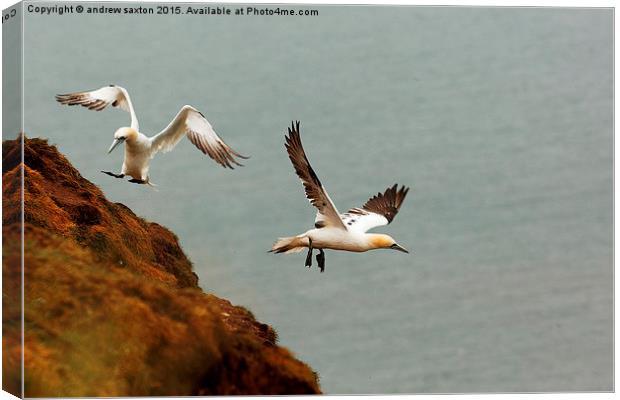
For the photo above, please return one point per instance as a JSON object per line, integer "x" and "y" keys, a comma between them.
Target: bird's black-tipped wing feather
{"x": 315, "y": 192}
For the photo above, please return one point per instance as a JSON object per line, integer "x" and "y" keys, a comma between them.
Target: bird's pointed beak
{"x": 400, "y": 248}
{"x": 115, "y": 143}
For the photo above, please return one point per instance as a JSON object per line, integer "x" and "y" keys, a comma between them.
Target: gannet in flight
{"x": 139, "y": 148}
{"x": 334, "y": 230}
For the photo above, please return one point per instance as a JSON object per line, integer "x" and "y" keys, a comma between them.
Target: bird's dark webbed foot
{"x": 138, "y": 181}
{"x": 113, "y": 174}
{"x": 309, "y": 255}
{"x": 320, "y": 258}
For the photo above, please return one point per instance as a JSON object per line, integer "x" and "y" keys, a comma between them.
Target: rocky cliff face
{"x": 112, "y": 307}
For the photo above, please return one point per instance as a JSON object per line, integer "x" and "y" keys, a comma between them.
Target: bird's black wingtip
{"x": 294, "y": 128}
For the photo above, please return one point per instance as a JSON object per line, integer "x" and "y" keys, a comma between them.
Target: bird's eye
{"x": 392, "y": 246}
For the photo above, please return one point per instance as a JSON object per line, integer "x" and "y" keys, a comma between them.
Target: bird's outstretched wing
{"x": 315, "y": 192}
{"x": 191, "y": 123}
{"x": 101, "y": 98}
{"x": 379, "y": 210}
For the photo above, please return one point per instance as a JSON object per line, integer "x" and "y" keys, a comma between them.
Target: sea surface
{"x": 499, "y": 119}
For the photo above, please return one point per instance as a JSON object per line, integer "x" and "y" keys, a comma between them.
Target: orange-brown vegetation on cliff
{"x": 112, "y": 307}
{"x": 59, "y": 199}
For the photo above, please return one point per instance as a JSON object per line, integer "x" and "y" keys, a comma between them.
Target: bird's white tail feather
{"x": 151, "y": 184}
{"x": 288, "y": 245}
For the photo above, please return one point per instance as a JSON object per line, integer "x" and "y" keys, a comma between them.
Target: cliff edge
{"x": 112, "y": 306}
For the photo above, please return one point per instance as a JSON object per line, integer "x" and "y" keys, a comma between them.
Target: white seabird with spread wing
{"x": 334, "y": 230}
{"x": 139, "y": 148}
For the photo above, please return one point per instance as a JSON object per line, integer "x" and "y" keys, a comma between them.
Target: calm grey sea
{"x": 499, "y": 119}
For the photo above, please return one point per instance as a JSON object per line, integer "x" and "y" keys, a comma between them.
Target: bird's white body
{"x": 338, "y": 239}
{"x": 140, "y": 148}
{"x": 138, "y": 154}
{"x": 353, "y": 237}
{"x": 333, "y": 238}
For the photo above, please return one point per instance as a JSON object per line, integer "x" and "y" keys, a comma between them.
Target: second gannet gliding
{"x": 139, "y": 148}
{"x": 334, "y": 230}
